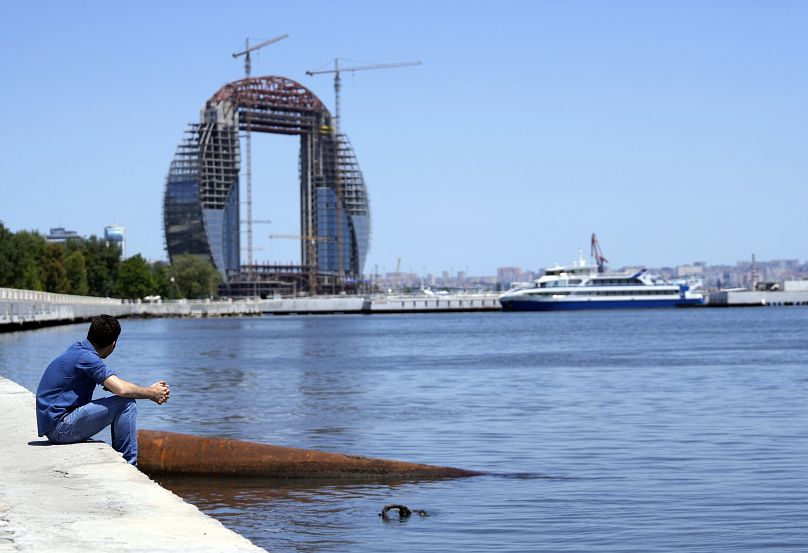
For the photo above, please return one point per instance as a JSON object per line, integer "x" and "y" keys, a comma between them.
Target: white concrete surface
{"x": 752, "y": 298}
{"x": 83, "y": 498}
{"x": 19, "y": 308}
{"x": 24, "y": 308}
{"x": 404, "y": 303}
{"x": 795, "y": 286}
{"x": 340, "y": 304}
{"x": 482, "y": 301}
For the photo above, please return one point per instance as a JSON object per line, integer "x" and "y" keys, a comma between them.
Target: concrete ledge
{"x": 461, "y": 302}
{"x": 24, "y": 309}
{"x": 84, "y": 497}
{"x": 748, "y": 298}
{"x": 408, "y": 303}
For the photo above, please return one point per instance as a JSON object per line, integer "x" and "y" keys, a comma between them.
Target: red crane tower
{"x": 598, "y": 254}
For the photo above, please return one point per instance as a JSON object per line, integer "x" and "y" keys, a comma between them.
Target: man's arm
{"x": 157, "y": 392}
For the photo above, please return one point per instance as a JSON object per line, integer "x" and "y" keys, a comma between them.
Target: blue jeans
{"x": 119, "y": 413}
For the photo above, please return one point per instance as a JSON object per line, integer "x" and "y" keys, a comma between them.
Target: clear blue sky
{"x": 678, "y": 131}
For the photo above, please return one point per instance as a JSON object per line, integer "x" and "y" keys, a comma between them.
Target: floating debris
{"x": 403, "y": 511}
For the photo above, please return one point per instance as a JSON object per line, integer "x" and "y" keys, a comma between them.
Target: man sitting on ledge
{"x": 65, "y": 410}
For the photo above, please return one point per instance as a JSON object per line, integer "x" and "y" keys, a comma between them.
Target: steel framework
{"x": 201, "y": 206}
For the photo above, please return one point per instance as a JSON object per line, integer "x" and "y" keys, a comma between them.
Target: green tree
{"x": 102, "y": 266}
{"x": 27, "y": 255}
{"x": 162, "y": 279}
{"x": 6, "y": 255}
{"x": 134, "y": 279}
{"x": 54, "y": 270}
{"x": 77, "y": 266}
{"x": 195, "y": 276}
{"x": 77, "y": 272}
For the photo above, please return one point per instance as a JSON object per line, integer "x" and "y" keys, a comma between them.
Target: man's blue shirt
{"x": 68, "y": 383}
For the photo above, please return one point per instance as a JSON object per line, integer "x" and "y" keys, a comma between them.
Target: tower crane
{"x": 338, "y": 82}
{"x": 598, "y": 254}
{"x": 248, "y": 138}
{"x": 337, "y": 120}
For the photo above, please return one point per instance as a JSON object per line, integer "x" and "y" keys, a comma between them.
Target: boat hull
{"x": 577, "y": 305}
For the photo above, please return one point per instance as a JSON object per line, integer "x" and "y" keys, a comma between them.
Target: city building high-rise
{"x": 60, "y": 234}
{"x": 116, "y": 234}
{"x": 201, "y": 212}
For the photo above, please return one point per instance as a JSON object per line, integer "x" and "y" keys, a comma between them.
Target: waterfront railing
{"x": 14, "y": 294}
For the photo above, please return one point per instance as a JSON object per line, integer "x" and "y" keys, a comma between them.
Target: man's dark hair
{"x": 104, "y": 329}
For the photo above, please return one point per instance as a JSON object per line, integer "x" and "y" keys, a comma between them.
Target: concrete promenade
{"x": 84, "y": 498}
{"x": 21, "y": 309}
{"x": 748, "y": 298}
{"x": 401, "y": 303}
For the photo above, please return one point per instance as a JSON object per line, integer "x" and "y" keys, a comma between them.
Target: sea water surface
{"x": 641, "y": 431}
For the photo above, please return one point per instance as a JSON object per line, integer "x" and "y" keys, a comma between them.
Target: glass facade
{"x": 329, "y": 216}
{"x": 201, "y": 202}
{"x": 182, "y": 213}
{"x": 357, "y": 206}
{"x": 342, "y": 173}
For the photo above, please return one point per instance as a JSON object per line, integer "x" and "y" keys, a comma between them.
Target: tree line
{"x": 92, "y": 267}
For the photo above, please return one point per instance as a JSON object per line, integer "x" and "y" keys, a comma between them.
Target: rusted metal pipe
{"x": 162, "y": 453}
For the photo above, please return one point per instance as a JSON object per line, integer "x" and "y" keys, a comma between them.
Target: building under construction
{"x": 201, "y": 210}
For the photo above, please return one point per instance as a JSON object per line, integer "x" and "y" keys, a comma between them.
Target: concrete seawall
{"x": 84, "y": 497}
{"x": 26, "y": 308}
{"x": 21, "y": 309}
{"x": 748, "y": 298}
{"x": 482, "y": 301}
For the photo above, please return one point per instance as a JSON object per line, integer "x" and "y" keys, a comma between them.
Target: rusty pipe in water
{"x": 185, "y": 454}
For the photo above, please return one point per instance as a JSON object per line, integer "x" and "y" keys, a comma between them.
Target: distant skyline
{"x": 675, "y": 131}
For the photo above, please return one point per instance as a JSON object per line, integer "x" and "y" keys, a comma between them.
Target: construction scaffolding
{"x": 333, "y": 197}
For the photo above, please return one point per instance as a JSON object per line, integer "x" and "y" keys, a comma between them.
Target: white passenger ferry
{"x": 582, "y": 286}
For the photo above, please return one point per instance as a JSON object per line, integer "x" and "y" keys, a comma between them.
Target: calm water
{"x": 640, "y": 431}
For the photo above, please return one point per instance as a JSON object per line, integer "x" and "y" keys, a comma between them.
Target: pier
{"x": 759, "y": 298}
{"x": 22, "y": 309}
{"x": 85, "y": 497}
{"x": 402, "y": 303}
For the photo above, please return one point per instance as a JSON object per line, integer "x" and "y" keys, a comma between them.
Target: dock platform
{"x": 404, "y": 303}
{"x": 84, "y": 497}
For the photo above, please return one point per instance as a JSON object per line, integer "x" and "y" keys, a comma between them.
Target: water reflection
{"x": 645, "y": 431}
{"x": 294, "y": 515}
{"x": 330, "y": 380}
{"x": 267, "y": 380}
